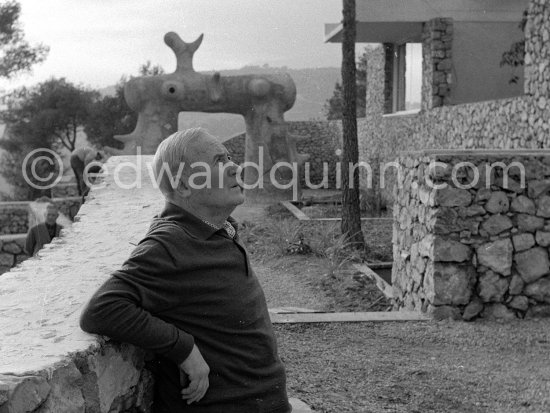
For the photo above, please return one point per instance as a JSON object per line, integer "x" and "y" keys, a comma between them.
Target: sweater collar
{"x": 191, "y": 223}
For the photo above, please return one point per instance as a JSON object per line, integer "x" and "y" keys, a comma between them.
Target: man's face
{"x": 51, "y": 216}
{"x": 213, "y": 177}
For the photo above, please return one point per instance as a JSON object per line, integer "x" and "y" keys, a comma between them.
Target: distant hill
{"x": 313, "y": 87}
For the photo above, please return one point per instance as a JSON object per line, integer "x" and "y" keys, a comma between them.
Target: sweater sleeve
{"x": 124, "y": 306}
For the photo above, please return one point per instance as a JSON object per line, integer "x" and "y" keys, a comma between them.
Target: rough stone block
{"x": 498, "y": 203}
{"x": 66, "y": 394}
{"x": 25, "y": 393}
{"x": 498, "y": 312}
{"x": 543, "y": 206}
{"x": 529, "y": 223}
{"x": 519, "y": 302}
{"x": 532, "y": 264}
{"x": 543, "y": 238}
{"x": 451, "y": 197}
{"x": 538, "y": 187}
{"x": 523, "y": 241}
{"x": 6, "y": 259}
{"x": 496, "y": 255}
{"x": 516, "y": 285}
{"x": 449, "y": 284}
{"x": 491, "y": 287}
{"x": 444, "y": 312}
{"x": 12, "y": 248}
{"x": 496, "y": 224}
{"x": 472, "y": 310}
{"x": 451, "y": 251}
{"x": 523, "y": 205}
{"x": 539, "y": 290}
{"x": 538, "y": 311}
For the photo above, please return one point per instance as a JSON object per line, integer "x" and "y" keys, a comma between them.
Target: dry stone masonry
{"x": 14, "y": 217}
{"x": 466, "y": 247}
{"x": 11, "y": 251}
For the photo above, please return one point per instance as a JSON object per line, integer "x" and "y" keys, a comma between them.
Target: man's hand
{"x": 197, "y": 370}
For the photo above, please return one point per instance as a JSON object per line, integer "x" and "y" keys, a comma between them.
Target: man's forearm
{"x": 115, "y": 311}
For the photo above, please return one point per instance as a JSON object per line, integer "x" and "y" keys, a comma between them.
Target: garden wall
{"x": 12, "y": 251}
{"x": 47, "y": 363}
{"x": 466, "y": 247}
{"x": 14, "y": 217}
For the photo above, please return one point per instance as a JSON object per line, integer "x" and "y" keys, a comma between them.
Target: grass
{"x": 320, "y": 244}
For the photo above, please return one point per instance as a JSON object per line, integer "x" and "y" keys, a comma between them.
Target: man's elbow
{"x": 89, "y": 319}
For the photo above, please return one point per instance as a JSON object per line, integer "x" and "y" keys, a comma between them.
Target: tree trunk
{"x": 351, "y": 215}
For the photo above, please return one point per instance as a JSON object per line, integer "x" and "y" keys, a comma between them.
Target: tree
{"x": 46, "y": 117}
{"x": 351, "y": 216}
{"x": 515, "y": 56}
{"x": 111, "y": 115}
{"x": 333, "y": 105}
{"x": 49, "y": 113}
{"x": 16, "y": 55}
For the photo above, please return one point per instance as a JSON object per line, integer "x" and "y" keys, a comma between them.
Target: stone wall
{"x": 47, "y": 363}
{"x": 514, "y": 123}
{"x": 466, "y": 247}
{"x": 11, "y": 251}
{"x": 14, "y": 218}
{"x": 319, "y": 139}
{"x": 65, "y": 190}
{"x": 437, "y": 63}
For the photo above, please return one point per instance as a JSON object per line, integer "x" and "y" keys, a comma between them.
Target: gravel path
{"x": 283, "y": 288}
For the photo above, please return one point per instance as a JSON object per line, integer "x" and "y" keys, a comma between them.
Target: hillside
{"x": 314, "y": 86}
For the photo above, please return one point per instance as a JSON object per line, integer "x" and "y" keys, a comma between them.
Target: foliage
{"x": 111, "y": 115}
{"x": 515, "y": 56}
{"x": 16, "y": 55}
{"x": 48, "y": 114}
{"x": 334, "y": 105}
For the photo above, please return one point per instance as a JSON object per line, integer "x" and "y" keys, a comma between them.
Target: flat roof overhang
{"x": 394, "y": 21}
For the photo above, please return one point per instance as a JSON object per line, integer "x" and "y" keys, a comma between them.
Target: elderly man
{"x": 43, "y": 233}
{"x": 188, "y": 293}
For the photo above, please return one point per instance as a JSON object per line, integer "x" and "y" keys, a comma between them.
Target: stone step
{"x": 299, "y": 406}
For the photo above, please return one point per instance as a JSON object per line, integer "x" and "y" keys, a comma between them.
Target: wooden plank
{"x": 292, "y": 310}
{"x": 383, "y": 264}
{"x": 382, "y": 285}
{"x": 339, "y": 219}
{"x": 348, "y": 317}
{"x": 295, "y": 211}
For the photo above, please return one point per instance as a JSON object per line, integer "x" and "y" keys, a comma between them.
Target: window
{"x": 405, "y": 70}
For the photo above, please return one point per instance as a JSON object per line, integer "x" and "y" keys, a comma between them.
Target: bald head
{"x": 174, "y": 156}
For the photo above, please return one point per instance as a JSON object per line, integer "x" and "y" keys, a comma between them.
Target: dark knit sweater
{"x": 184, "y": 284}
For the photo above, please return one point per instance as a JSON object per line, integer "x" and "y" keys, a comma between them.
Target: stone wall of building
{"x": 14, "y": 217}
{"x": 319, "y": 139}
{"x": 514, "y": 123}
{"x": 467, "y": 247}
{"x": 11, "y": 251}
{"x": 437, "y": 64}
{"x": 537, "y": 50}
{"x": 47, "y": 363}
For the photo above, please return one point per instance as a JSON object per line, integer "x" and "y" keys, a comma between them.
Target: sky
{"x": 95, "y": 42}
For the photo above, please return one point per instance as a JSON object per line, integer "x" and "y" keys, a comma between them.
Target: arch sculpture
{"x": 261, "y": 99}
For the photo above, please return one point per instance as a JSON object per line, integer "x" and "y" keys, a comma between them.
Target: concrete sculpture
{"x": 260, "y": 99}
